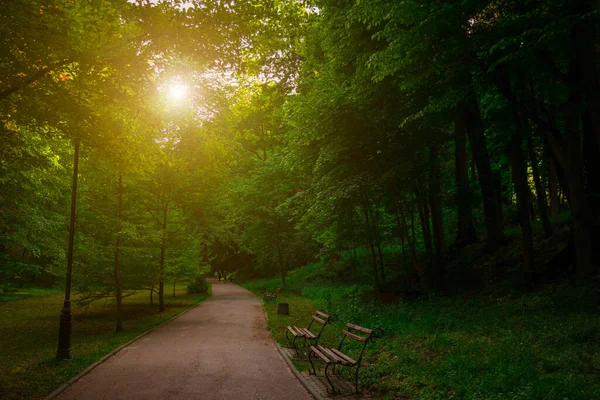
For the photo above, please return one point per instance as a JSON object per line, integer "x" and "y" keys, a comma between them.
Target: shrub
{"x": 198, "y": 285}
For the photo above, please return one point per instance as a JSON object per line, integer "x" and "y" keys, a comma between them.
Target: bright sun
{"x": 178, "y": 91}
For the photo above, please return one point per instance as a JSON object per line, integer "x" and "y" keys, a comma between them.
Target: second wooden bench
{"x": 335, "y": 356}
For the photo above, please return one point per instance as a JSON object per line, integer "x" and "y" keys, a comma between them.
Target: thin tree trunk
{"x": 539, "y": 189}
{"x": 161, "y": 277}
{"x": 412, "y": 226}
{"x": 118, "y": 292}
{"x": 381, "y": 263}
{"x": 279, "y": 253}
{"x": 553, "y": 188}
{"x": 435, "y": 201}
{"x": 364, "y": 203}
{"x": 152, "y": 295}
{"x": 466, "y": 228}
{"x": 580, "y": 208}
{"x": 423, "y": 209}
{"x": 488, "y": 179}
{"x": 402, "y": 226}
{"x": 402, "y": 241}
{"x": 519, "y": 178}
{"x": 354, "y": 264}
{"x": 174, "y": 284}
{"x": 471, "y": 160}
{"x": 519, "y": 171}
{"x": 375, "y": 219}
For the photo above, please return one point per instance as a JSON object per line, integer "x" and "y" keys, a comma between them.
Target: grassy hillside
{"x": 495, "y": 344}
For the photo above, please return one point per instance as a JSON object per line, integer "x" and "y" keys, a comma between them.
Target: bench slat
{"x": 308, "y": 333}
{"x": 333, "y": 356}
{"x": 319, "y": 320}
{"x": 329, "y": 354}
{"x": 293, "y": 330}
{"x": 345, "y": 357}
{"x": 322, "y": 314}
{"x": 353, "y": 336}
{"x": 360, "y": 328}
{"x": 321, "y": 355}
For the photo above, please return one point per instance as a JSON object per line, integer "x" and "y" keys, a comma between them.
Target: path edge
{"x": 89, "y": 369}
{"x": 301, "y": 378}
{"x": 289, "y": 362}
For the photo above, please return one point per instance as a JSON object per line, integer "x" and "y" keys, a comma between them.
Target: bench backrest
{"x": 360, "y": 334}
{"x": 321, "y": 318}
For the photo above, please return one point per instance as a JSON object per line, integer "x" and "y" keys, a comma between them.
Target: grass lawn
{"x": 539, "y": 345}
{"x": 29, "y": 336}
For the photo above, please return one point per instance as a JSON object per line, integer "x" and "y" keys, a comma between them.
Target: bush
{"x": 198, "y": 285}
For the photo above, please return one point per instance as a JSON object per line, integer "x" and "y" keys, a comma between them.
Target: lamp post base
{"x": 64, "y": 332}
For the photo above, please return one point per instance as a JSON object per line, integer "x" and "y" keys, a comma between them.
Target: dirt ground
{"x": 219, "y": 350}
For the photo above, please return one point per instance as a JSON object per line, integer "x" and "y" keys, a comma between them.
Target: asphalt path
{"x": 218, "y": 350}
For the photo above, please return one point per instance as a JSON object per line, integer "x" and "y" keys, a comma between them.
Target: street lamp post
{"x": 64, "y": 333}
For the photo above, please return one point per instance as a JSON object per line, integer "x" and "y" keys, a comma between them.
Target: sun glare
{"x": 178, "y": 92}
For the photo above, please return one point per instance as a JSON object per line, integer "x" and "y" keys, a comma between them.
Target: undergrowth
{"x": 536, "y": 345}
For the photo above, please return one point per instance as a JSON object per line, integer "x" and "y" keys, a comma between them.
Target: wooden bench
{"x": 335, "y": 356}
{"x": 270, "y": 296}
{"x": 305, "y": 333}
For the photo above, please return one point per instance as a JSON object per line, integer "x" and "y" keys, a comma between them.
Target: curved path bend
{"x": 218, "y": 350}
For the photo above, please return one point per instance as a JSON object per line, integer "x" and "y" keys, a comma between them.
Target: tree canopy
{"x": 382, "y": 133}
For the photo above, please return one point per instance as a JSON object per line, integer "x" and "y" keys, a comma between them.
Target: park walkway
{"x": 219, "y": 350}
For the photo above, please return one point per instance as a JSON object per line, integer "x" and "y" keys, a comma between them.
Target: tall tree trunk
{"x": 161, "y": 276}
{"x": 519, "y": 178}
{"x": 412, "y": 225}
{"x": 488, "y": 179}
{"x": 402, "y": 226}
{"x": 519, "y": 170}
{"x": 437, "y": 216}
{"x": 539, "y": 189}
{"x": 365, "y": 207}
{"x": 118, "y": 292}
{"x": 403, "y": 244}
{"x": 423, "y": 209}
{"x": 580, "y": 208}
{"x": 375, "y": 219}
{"x": 553, "y": 189}
{"x": 174, "y": 284}
{"x": 466, "y": 228}
{"x": 354, "y": 264}
{"x": 279, "y": 252}
{"x": 471, "y": 160}
{"x": 152, "y": 295}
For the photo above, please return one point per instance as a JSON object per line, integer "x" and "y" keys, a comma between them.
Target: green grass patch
{"x": 538, "y": 345}
{"x": 23, "y": 293}
{"x": 29, "y": 336}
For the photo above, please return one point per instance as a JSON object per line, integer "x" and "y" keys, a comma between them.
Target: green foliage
{"x": 329, "y": 143}
{"x": 536, "y": 345}
{"x": 198, "y": 285}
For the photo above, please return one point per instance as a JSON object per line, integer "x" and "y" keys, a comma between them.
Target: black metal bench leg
{"x": 356, "y": 380}
{"x": 314, "y": 371}
{"x": 303, "y": 345}
{"x": 295, "y": 346}
{"x": 329, "y": 379}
